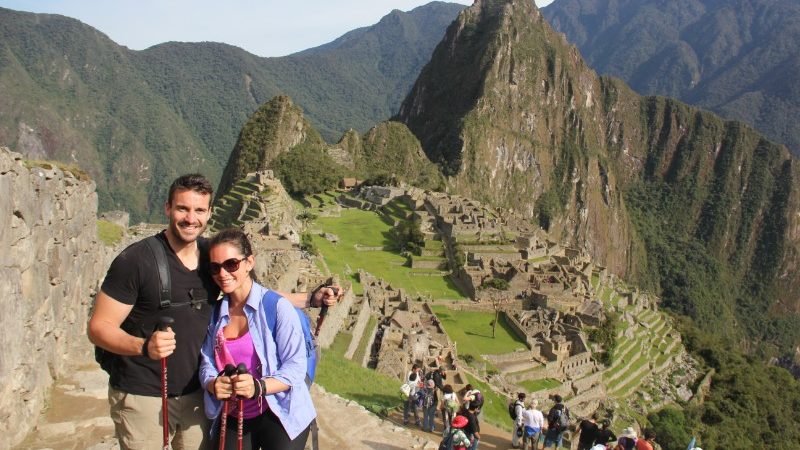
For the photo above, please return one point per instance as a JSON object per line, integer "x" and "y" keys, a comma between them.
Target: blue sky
{"x": 263, "y": 27}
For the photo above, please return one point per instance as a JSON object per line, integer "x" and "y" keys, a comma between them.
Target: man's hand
{"x": 327, "y": 295}
{"x": 161, "y": 344}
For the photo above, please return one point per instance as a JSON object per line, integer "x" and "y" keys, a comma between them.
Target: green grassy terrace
{"x": 368, "y": 229}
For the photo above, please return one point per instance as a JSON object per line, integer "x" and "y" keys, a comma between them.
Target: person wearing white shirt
{"x": 533, "y": 423}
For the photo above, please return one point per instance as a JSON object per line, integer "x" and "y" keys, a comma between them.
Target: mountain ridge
{"x": 738, "y": 59}
{"x": 592, "y": 161}
{"x": 169, "y": 105}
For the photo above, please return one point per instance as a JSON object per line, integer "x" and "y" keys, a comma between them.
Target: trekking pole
{"x": 240, "y": 369}
{"x": 164, "y": 323}
{"x": 323, "y": 312}
{"x": 229, "y": 370}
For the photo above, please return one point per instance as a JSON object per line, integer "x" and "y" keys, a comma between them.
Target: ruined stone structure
{"x": 50, "y": 268}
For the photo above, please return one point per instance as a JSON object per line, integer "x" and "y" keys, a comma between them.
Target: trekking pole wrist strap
{"x": 145, "y": 353}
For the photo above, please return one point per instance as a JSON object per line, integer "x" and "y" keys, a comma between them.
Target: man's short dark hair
{"x": 191, "y": 182}
{"x": 557, "y": 398}
{"x": 649, "y": 434}
{"x": 521, "y": 396}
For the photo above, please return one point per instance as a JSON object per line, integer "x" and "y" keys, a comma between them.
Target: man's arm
{"x": 105, "y": 331}
{"x": 323, "y": 296}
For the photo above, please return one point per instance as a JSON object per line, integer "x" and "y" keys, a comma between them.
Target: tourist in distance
{"x": 414, "y": 381}
{"x": 430, "y": 402}
{"x": 460, "y": 440}
{"x": 604, "y": 434}
{"x": 517, "y": 430}
{"x": 557, "y": 423}
{"x": 127, "y": 310}
{"x": 627, "y": 439}
{"x": 449, "y": 406}
{"x": 473, "y": 428}
{"x": 533, "y": 424}
{"x": 587, "y": 432}
{"x": 278, "y": 410}
{"x": 647, "y": 441}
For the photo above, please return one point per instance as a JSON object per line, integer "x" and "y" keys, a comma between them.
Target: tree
{"x": 307, "y": 169}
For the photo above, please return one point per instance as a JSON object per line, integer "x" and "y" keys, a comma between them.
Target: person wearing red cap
{"x": 459, "y": 440}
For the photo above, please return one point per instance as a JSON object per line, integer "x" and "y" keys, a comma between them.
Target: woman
{"x": 449, "y": 407}
{"x": 533, "y": 423}
{"x": 277, "y": 407}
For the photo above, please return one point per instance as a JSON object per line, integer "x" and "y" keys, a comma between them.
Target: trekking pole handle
{"x": 165, "y": 322}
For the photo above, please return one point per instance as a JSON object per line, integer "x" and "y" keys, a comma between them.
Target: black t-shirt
{"x": 588, "y": 432}
{"x": 605, "y": 436}
{"x": 473, "y": 426}
{"x": 133, "y": 279}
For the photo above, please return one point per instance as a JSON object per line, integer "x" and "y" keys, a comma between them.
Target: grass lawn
{"x": 540, "y": 384}
{"x": 371, "y": 389}
{"x": 358, "y": 356}
{"x": 495, "y": 406}
{"x": 368, "y": 229}
{"x": 472, "y": 331}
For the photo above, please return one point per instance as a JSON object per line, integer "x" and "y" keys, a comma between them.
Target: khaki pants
{"x": 137, "y": 421}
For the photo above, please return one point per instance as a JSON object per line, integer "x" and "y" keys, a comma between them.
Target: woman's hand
{"x": 223, "y": 387}
{"x": 243, "y": 385}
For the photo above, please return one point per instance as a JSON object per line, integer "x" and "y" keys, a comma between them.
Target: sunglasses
{"x": 230, "y": 266}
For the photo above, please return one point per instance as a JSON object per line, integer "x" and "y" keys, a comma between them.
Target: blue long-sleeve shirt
{"x": 293, "y": 407}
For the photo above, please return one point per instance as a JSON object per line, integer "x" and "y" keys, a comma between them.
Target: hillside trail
{"x": 77, "y": 419}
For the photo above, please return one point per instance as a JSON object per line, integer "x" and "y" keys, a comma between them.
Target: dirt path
{"x": 492, "y": 437}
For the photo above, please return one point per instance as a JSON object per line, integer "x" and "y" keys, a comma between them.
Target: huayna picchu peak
{"x": 702, "y": 209}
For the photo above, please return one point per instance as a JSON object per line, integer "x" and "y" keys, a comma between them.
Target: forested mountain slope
{"x": 737, "y": 58}
{"x": 135, "y": 119}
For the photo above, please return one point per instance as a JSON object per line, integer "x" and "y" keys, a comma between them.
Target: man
{"x": 126, "y": 314}
{"x": 473, "y": 428}
{"x": 648, "y": 441}
{"x": 517, "y": 429}
{"x": 605, "y": 435}
{"x": 429, "y": 403}
{"x": 414, "y": 380}
{"x": 557, "y": 420}
{"x": 587, "y": 432}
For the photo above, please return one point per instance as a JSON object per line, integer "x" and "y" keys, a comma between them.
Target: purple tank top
{"x": 243, "y": 350}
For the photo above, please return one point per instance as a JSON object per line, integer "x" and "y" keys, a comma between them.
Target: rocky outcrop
{"x": 653, "y": 189}
{"x": 50, "y": 266}
{"x": 274, "y": 128}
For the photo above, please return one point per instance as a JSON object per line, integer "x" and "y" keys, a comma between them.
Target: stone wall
{"x": 51, "y": 263}
{"x": 358, "y": 329}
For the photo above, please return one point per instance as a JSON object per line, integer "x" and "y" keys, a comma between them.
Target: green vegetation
{"x": 306, "y": 169}
{"x": 495, "y": 283}
{"x": 407, "y": 237}
{"x": 750, "y": 405}
{"x": 179, "y": 107}
{"x": 676, "y": 52}
{"x": 606, "y": 336}
{"x": 373, "y": 390}
{"x": 359, "y": 229}
{"x": 73, "y": 169}
{"x": 495, "y": 406}
{"x": 472, "y": 331}
{"x": 539, "y": 385}
{"x": 109, "y": 233}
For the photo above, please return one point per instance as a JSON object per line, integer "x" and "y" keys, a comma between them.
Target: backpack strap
{"x": 160, "y": 255}
{"x": 270, "y": 304}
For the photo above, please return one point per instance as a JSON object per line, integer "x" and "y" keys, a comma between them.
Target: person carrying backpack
{"x": 557, "y": 423}
{"x": 515, "y": 410}
{"x": 429, "y": 403}
{"x": 413, "y": 379}
{"x": 449, "y": 407}
{"x": 455, "y": 438}
{"x": 274, "y": 397}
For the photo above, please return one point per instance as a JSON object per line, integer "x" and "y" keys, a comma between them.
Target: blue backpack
{"x": 270, "y": 303}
